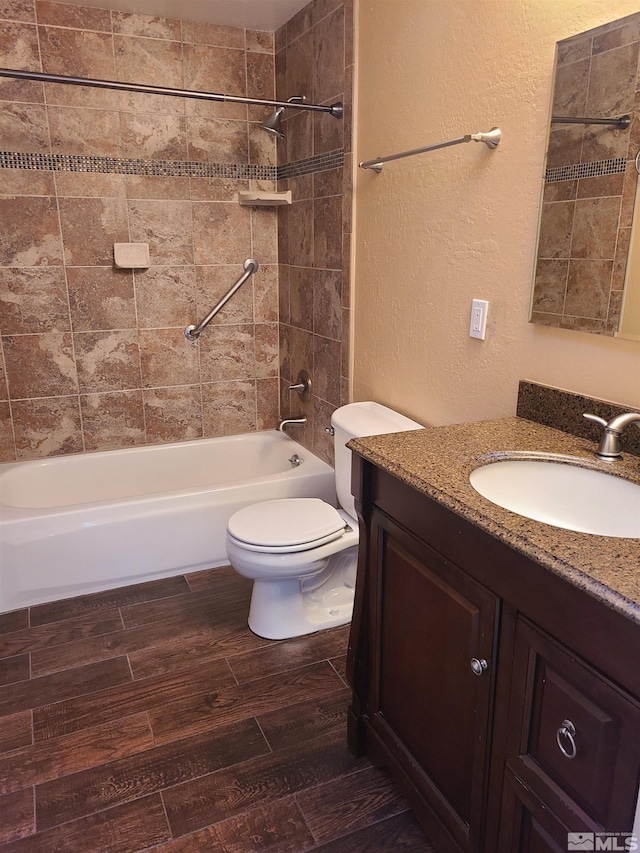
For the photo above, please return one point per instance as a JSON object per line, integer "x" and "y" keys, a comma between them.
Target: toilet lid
{"x": 286, "y": 523}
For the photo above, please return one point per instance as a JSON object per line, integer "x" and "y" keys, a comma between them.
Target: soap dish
{"x": 258, "y": 198}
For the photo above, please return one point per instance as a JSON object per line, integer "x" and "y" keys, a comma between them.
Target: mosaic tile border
{"x": 168, "y": 168}
{"x": 585, "y": 170}
{"x": 128, "y": 166}
{"x": 318, "y": 163}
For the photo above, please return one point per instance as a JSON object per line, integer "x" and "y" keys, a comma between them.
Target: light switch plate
{"x": 478, "y": 324}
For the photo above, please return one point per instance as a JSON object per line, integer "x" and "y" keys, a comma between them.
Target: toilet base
{"x": 283, "y": 609}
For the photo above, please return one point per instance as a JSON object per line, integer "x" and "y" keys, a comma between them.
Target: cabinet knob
{"x": 566, "y": 735}
{"x": 478, "y": 666}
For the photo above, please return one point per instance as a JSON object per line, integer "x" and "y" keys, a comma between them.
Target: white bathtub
{"x": 91, "y": 521}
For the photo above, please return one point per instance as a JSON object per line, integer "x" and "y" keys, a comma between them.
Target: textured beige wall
{"x": 434, "y": 231}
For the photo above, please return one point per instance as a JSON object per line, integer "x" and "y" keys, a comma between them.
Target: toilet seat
{"x": 286, "y": 526}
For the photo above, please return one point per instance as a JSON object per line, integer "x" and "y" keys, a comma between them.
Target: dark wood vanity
{"x": 504, "y": 697}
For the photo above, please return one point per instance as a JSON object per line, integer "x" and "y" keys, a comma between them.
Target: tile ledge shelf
{"x": 263, "y": 199}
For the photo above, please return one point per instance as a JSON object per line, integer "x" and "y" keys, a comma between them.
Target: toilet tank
{"x": 355, "y": 421}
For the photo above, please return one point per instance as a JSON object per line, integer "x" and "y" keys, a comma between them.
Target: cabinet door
{"x": 434, "y": 625}
{"x": 573, "y": 736}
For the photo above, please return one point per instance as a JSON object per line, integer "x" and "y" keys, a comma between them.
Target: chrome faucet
{"x": 609, "y": 447}
{"x": 293, "y": 421}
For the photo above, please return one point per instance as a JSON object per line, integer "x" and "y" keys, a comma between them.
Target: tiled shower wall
{"x": 590, "y": 182}
{"x": 314, "y": 58}
{"x": 94, "y": 357}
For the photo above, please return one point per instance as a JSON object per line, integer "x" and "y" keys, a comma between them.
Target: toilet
{"x": 301, "y": 553}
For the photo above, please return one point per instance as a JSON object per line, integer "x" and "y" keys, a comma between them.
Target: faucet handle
{"x": 302, "y": 386}
{"x": 595, "y": 419}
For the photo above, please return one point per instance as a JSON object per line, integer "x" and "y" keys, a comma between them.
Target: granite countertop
{"x": 437, "y": 462}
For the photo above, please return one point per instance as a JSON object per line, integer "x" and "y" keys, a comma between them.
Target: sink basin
{"x": 568, "y": 496}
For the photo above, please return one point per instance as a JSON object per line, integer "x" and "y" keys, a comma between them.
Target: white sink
{"x": 563, "y": 495}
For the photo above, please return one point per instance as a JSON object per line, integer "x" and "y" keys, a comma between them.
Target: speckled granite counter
{"x": 437, "y": 462}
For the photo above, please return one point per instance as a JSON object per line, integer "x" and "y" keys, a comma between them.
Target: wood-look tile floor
{"x": 150, "y": 718}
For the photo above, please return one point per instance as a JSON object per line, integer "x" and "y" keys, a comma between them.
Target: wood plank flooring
{"x": 150, "y": 718}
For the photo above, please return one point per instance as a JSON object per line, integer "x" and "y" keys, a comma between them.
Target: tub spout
{"x": 293, "y": 421}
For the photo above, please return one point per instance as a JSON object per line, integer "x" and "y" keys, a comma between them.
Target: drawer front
{"x": 531, "y": 826}
{"x": 574, "y": 729}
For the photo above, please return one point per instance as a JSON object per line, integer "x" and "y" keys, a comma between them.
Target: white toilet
{"x": 301, "y": 553}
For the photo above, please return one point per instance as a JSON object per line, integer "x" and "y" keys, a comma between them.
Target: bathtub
{"x": 92, "y": 521}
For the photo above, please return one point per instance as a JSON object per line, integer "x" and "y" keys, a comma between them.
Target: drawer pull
{"x": 566, "y": 733}
{"x": 478, "y": 666}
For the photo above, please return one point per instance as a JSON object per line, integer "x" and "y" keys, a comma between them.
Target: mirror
{"x": 630, "y": 315}
{"x": 589, "y": 187}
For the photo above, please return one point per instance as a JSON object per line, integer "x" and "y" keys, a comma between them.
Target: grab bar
{"x": 491, "y": 139}
{"x": 192, "y": 333}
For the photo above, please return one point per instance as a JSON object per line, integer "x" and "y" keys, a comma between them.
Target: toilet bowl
{"x": 301, "y": 553}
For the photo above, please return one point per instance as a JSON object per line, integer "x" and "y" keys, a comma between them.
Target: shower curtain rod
{"x": 336, "y": 110}
{"x": 490, "y": 139}
{"x": 622, "y": 122}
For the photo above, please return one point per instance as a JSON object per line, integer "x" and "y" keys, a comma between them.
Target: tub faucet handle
{"x": 302, "y": 386}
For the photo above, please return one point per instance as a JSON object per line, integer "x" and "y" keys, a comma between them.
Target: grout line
{"x": 336, "y": 672}
{"x": 33, "y": 795}
{"x": 263, "y": 734}
{"x": 153, "y": 734}
{"x": 164, "y": 809}
{"x": 233, "y": 675}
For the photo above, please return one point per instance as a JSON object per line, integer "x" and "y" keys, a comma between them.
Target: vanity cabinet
{"x": 502, "y": 697}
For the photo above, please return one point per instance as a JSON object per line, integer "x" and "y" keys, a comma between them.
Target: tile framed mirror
{"x": 586, "y": 275}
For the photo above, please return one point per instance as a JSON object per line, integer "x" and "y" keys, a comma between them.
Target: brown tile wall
{"x": 585, "y": 225}
{"x": 314, "y": 57}
{"x": 93, "y": 357}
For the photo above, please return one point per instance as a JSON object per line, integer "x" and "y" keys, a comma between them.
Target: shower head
{"x": 272, "y": 123}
